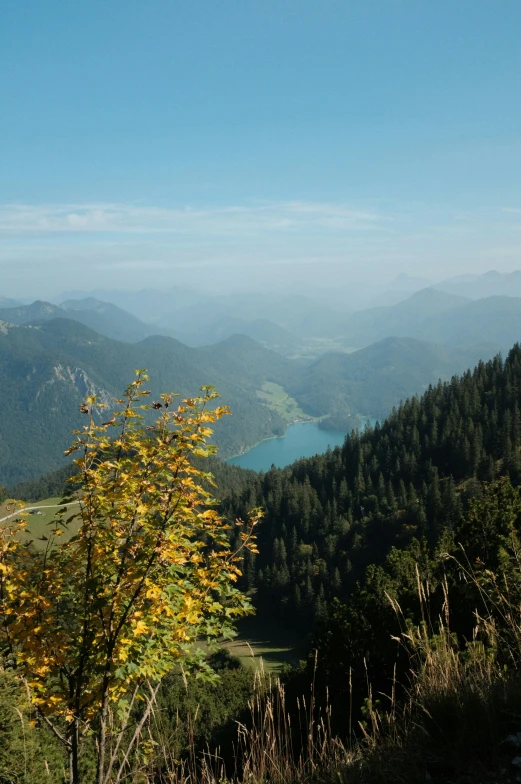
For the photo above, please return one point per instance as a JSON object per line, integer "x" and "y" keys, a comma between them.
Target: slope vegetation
{"x": 48, "y": 369}
{"x": 439, "y": 317}
{"x": 329, "y": 517}
{"x": 374, "y": 379}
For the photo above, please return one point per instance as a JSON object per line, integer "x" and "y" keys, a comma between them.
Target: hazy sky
{"x": 219, "y": 141}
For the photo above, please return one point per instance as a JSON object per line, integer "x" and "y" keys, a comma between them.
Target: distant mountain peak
{"x": 484, "y": 285}
{"x": 238, "y": 339}
{"x": 409, "y": 282}
{"x": 430, "y": 294}
{"x": 102, "y": 317}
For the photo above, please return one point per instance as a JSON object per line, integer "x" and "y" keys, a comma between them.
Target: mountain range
{"x": 103, "y": 317}
{"x": 52, "y": 355}
{"x": 463, "y": 311}
{"x": 489, "y": 284}
{"x": 439, "y": 317}
{"x": 48, "y": 367}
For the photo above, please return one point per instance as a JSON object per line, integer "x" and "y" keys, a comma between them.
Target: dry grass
{"x": 460, "y": 705}
{"x": 270, "y": 746}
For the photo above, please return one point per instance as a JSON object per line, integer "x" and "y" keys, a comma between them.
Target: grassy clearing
{"x": 276, "y": 397}
{"x": 260, "y": 642}
{"x": 38, "y": 525}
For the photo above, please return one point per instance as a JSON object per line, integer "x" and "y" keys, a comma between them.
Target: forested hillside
{"x": 400, "y": 549}
{"x": 47, "y": 370}
{"x": 374, "y": 379}
{"x": 407, "y": 481}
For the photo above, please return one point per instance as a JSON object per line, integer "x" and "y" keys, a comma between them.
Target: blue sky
{"x": 236, "y": 141}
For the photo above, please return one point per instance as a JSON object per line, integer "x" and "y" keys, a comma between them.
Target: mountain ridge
{"x": 48, "y": 367}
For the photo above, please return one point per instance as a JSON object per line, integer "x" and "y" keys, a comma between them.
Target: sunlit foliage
{"x": 91, "y": 619}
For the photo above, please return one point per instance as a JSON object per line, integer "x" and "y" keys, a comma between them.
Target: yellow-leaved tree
{"x": 94, "y": 621}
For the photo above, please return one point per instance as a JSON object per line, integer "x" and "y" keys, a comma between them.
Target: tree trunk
{"x": 74, "y": 773}
{"x": 102, "y": 734}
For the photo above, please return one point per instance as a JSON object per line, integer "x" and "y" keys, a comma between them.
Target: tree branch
{"x": 55, "y": 731}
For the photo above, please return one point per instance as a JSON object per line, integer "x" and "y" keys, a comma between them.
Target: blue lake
{"x": 303, "y": 439}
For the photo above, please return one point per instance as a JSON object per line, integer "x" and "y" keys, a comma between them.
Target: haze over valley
{"x": 274, "y": 359}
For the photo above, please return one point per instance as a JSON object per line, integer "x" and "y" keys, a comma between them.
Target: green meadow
{"x": 276, "y": 398}
{"x": 40, "y": 525}
{"x": 262, "y": 643}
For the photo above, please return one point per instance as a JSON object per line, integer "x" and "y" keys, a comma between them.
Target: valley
{"x": 52, "y": 355}
{"x": 262, "y": 644}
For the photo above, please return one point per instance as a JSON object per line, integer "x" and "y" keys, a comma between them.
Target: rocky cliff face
{"x": 77, "y": 381}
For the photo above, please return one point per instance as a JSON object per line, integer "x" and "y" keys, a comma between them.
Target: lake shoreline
{"x": 302, "y": 439}
{"x": 297, "y": 443}
{"x": 272, "y": 438}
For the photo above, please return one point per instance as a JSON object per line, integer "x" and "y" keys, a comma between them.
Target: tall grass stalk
{"x": 270, "y": 746}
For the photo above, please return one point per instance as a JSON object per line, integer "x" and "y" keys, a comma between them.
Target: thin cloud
{"x": 221, "y": 221}
{"x": 50, "y": 247}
